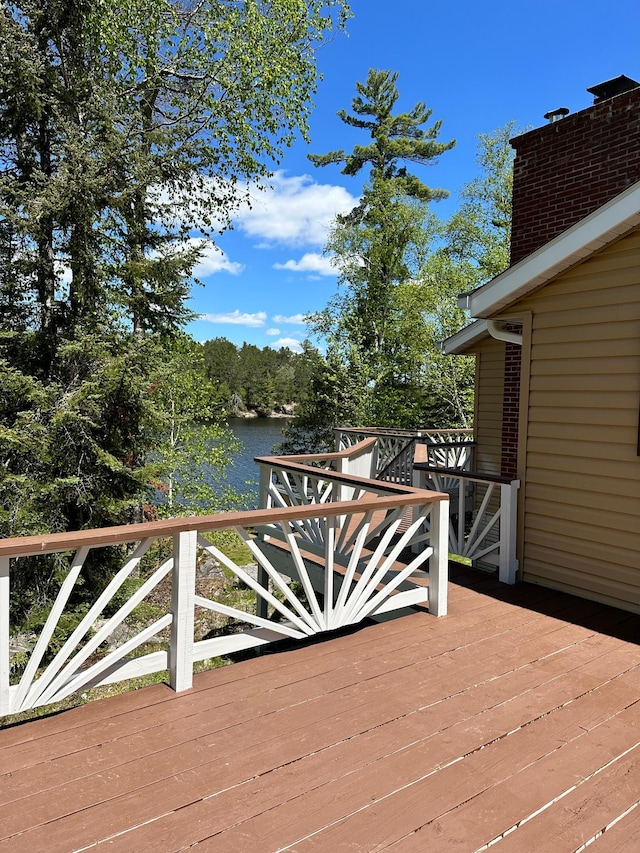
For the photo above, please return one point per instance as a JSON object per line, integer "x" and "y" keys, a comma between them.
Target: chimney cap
{"x": 613, "y": 87}
{"x": 556, "y": 115}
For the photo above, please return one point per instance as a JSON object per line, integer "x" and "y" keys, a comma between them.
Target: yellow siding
{"x": 488, "y": 414}
{"x": 582, "y": 481}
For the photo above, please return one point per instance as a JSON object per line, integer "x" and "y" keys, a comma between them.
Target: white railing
{"x": 400, "y": 468}
{"x": 457, "y": 455}
{"x": 359, "y": 459}
{"x": 389, "y": 443}
{"x": 344, "y": 553}
{"x": 364, "y": 541}
{"x": 448, "y": 448}
{"x": 483, "y": 508}
{"x": 483, "y": 515}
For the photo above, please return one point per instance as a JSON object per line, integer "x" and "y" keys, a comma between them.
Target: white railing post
{"x": 182, "y": 608}
{"x": 508, "y": 526}
{"x": 4, "y": 634}
{"x": 439, "y": 560}
{"x": 264, "y": 500}
{"x": 362, "y": 465}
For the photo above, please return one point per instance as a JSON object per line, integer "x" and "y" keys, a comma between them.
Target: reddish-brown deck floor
{"x": 513, "y": 722}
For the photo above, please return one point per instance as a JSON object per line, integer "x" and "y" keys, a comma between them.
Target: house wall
{"x": 582, "y": 470}
{"x": 488, "y": 405}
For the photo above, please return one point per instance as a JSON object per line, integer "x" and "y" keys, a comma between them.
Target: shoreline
{"x": 252, "y": 415}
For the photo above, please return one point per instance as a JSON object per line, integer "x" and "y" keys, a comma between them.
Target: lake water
{"x": 258, "y": 437}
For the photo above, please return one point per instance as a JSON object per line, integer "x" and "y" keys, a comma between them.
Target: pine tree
{"x": 380, "y": 244}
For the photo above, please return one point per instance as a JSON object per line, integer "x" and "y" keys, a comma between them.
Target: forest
{"x": 250, "y": 379}
{"x": 122, "y": 136}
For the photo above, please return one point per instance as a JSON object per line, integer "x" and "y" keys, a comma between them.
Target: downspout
{"x": 501, "y": 334}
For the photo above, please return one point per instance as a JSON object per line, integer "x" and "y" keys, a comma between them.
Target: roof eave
{"x": 606, "y": 224}
{"x": 465, "y": 338}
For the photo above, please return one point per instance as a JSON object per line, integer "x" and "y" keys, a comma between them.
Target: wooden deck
{"x": 513, "y": 722}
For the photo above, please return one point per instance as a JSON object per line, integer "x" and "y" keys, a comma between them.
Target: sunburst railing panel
{"x": 483, "y": 516}
{"x": 319, "y": 562}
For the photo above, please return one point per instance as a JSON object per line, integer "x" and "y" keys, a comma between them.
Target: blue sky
{"x": 477, "y": 65}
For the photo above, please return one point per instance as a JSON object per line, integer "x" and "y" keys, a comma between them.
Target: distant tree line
{"x": 248, "y": 378}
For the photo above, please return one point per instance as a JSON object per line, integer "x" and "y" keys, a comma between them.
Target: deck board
{"x": 622, "y": 833}
{"x": 411, "y": 734}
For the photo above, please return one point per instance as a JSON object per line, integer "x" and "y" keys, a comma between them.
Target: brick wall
{"x": 565, "y": 170}
{"x": 511, "y": 407}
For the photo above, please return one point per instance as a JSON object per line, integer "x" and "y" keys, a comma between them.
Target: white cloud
{"x": 237, "y": 318}
{"x": 293, "y": 211}
{"x": 272, "y": 332}
{"x": 310, "y": 262}
{"x": 293, "y": 319}
{"x": 213, "y": 260}
{"x": 289, "y": 343}
{"x": 63, "y": 272}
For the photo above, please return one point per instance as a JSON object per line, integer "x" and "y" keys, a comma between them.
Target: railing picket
{"x": 347, "y": 539}
{"x": 234, "y": 613}
{"x": 393, "y": 515}
{"x": 254, "y": 585}
{"x": 54, "y": 675}
{"x": 473, "y": 533}
{"x": 106, "y": 630}
{"x": 347, "y": 580}
{"x": 5, "y": 658}
{"x": 329, "y": 554}
{"x": 86, "y": 677}
{"x": 305, "y": 580}
{"x": 50, "y": 625}
{"x": 358, "y": 595}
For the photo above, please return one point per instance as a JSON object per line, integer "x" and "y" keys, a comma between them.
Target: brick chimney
{"x": 568, "y": 168}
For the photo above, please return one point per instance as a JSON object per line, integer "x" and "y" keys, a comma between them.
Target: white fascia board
{"x": 606, "y": 224}
{"x": 465, "y": 338}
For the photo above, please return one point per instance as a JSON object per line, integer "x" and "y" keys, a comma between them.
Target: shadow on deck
{"x": 513, "y": 721}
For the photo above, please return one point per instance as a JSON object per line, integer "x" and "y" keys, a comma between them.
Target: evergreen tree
{"x": 387, "y": 340}
{"x": 330, "y": 396}
{"x": 380, "y": 245}
{"x": 123, "y": 129}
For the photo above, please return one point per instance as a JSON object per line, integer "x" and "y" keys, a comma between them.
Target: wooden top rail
{"x": 348, "y": 453}
{"x": 379, "y": 486}
{"x": 464, "y": 475}
{"x": 388, "y": 496}
{"x": 447, "y": 445}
